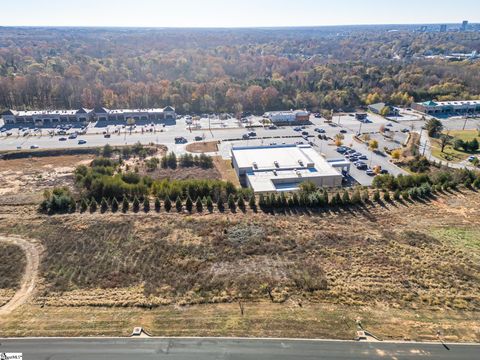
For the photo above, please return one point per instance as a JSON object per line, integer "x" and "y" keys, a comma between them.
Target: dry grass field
{"x": 202, "y": 147}
{"x": 408, "y": 270}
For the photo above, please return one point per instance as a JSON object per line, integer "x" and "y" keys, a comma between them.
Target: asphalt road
{"x": 210, "y": 348}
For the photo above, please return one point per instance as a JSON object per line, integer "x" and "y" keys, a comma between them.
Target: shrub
{"x": 114, "y": 205}
{"x": 356, "y": 197}
{"x": 58, "y": 201}
{"x": 345, "y": 198}
{"x": 376, "y": 196}
{"x": 365, "y": 196}
{"x": 220, "y": 204}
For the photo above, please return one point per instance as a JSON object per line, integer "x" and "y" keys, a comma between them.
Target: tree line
{"x": 232, "y": 71}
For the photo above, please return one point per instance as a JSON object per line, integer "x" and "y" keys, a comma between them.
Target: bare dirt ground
{"x": 202, "y": 147}
{"x": 225, "y": 169}
{"x": 32, "y": 251}
{"x": 23, "y": 180}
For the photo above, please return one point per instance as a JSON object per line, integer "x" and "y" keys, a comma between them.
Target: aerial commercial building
{"x": 280, "y": 168}
{"x": 288, "y": 117}
{"x": 447, "y": 107}
{"x": 48, "y": 117}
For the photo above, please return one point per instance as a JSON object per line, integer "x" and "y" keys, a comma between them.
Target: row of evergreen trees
{"x": 317, "y": 199}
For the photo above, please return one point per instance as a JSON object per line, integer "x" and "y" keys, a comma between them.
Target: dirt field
{"x": 23, "y": 180}
{"x": 202, "y": 147}
{"x": 225, "y": 169}
{"x": 408, "y": 271}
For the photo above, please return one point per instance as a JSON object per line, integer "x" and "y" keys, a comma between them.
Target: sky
{"x": 234, "y": 13}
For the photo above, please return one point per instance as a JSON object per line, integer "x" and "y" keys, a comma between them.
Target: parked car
{"x": 389, "y": 125}
{"x": 341, "y": 150}
{"x": 405, "y": 130}
{"x": 320, "y": 131}
{"x": 73, "y": 136}
{"x": 305, "y": 133}
{"x": 384, "y": 171}
{"x": 297, "y": 128}
{"x": 361, "y": 166}
{"x": 180, "y": 140}
{"x": 245, "y": 136}
{"x": 81, "y": 142}
{"x": 273, "y": 127}
{"x": 107, "y": 136}
{"x": 472, "y": 158}
{"x": 62, "y": 139}
{"x": 198, "y": 138}
{"x": 370, "y": 172}
{"x": 34, "y": 146}
{"x": 252, "y": 133}
{"x": 353, "y": 158}
{"x": 363, "y": 157}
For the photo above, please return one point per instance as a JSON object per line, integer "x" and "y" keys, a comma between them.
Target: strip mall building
{"x": 48, "y": 117}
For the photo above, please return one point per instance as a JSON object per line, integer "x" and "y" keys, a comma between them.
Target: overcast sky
{"x": 234, "y": 13}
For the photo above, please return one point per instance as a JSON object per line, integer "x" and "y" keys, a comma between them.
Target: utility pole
{"x": 465, "y": 123}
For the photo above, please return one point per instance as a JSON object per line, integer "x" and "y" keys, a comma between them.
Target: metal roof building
{"x": 283, "y": 167}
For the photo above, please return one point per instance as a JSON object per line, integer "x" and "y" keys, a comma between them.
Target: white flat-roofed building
{"x": 45, "y": 117}
{"x": 283, "y": 167}
{"x": 288, "y": 117}
{"x": 448, "y": 107}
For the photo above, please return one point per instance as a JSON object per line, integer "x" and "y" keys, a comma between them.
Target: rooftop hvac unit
{"x": 299, "y": 174}
{"x": 255, "y": 165}
{"x": 310, "y": 164}
{"x": 300, "y": 162}
{"x": 275, "y": 172}
{"x": 276, "y": 164}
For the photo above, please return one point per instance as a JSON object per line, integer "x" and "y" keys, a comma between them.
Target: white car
{"x": 472, "y": 158}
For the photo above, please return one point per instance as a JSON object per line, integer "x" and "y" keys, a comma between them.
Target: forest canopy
{"x": 231, "y": 70}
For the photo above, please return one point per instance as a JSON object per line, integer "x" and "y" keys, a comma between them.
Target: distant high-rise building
{"x": 443, "y": 28}
{"x": 464, "y": 25}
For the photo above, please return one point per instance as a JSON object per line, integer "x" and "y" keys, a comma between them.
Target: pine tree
{"x": 252, "y": 202}
{"x": 220, "y": 204}
{"x": 158, "y": 204}
{"x": 114, "y": 205}
{"x": 241, "y": 202}
{"x": 103, "y": 205}
{"x": 273, "y": 201}
{"x": 167, "y": 204}
{"x": 261, "y": 201}
{"x": 83, "y": 205}
{"x": 346, "y": 198}
{"x": 199, "y": 205}
{"x": 146, "y": 204}
{"x": 125, "y": 204}
{"x": 386, "y": 196}
{"x": 93, "y": 205}
{"x": 189, "y": 204}
{"x": 295, "y": 199}
{"x": 376, "y": 196}
{"x": 231, "y": 202}
{"x": 135, "y": 204}
{"x": 396, "y": 195}
{"x": 178, "y": 204}
{"x": 209, "y": 203}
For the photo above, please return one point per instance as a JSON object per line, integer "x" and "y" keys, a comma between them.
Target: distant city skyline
{"x": 245, "y": 13}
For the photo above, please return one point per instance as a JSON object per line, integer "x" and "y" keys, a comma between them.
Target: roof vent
{"x": 255, "y": 165}
{"x": 276, "y": 164}
{"x": 275, "y": 172}
{"x": 300, "y": 162}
